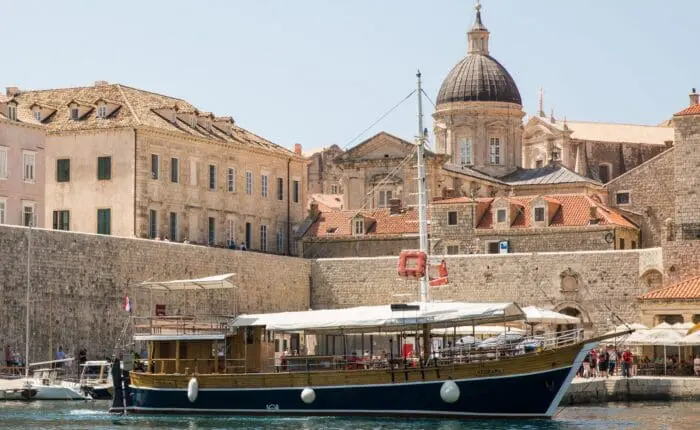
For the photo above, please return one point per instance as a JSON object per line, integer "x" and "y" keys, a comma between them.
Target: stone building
{"x": 324, "y": 175}
{"x": 673, "y": 304}
{"x": 21, "y": 164}
{"x": 601, "y": 151}
{"x": 129, "y": 162}
{"x": 523, "y": 224}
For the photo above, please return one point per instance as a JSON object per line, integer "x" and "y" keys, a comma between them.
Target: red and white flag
{"x": 127, "y": 304}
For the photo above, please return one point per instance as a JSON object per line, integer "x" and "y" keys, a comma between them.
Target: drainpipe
{"x": 289, "y": 209}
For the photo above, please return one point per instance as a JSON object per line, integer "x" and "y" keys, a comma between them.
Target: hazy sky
{"x": 318, "y": 72}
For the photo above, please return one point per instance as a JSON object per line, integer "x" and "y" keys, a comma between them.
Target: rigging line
{"x": 379, "y": 119}
{"x": 368, "y": 195}
{"x": 428, "y": 97}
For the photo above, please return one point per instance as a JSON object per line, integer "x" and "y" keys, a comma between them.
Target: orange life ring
{"x": 420, "y": 259}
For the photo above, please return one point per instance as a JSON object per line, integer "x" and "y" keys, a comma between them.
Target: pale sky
{"x": 318, "y": 72}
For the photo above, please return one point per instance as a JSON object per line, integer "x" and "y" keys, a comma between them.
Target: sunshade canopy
{"x": 537, "y": 315}
{"x": 369, "y": 318}
{"x": 691, "y": 339}
{"x": 655, "y": 336}
{"x": 209, "y": 283}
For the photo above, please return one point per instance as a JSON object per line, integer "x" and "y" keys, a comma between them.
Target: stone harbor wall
{"x": 638, "y": 388}
{"x": 78, "y": 284}
{"x": 595, "y": 285}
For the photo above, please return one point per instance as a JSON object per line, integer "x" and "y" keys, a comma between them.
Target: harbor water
{"x": 93, "y": 415}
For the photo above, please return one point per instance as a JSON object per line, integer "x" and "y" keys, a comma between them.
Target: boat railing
{"x": 180, "y": 325}
{"x": 189, "y": 366}
{"x": 11, "y": 372}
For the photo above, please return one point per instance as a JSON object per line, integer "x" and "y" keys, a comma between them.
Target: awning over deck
{"x": 209, "y": 283}
{"x": 165, "y": 337}
{"x": 369, "y": 318}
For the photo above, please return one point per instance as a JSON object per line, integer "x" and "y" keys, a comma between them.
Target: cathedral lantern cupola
{"x": 478, "y": 36}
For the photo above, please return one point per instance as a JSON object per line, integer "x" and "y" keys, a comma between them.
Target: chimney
{"x": 694, "y": 97}
{"x": 101, "y": 83}
{"x": 394, "y": 206}
{"x": 594, "y": 215}
{"x": 11, "y": 91}
{"x": 297, "y": 148}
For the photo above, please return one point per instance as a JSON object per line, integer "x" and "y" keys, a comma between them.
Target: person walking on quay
{"x": 626, "y": 363}
{"x": 603, "y": 363}
{"x": 612, "y": 360}
{"x": 60, "y": 355}
{"x": 696, "y": 365}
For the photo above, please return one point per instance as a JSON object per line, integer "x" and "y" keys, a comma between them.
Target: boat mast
{"x": 26, "y": 335}
{"x": 422, "y": 203}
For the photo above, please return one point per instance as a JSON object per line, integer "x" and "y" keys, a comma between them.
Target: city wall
{"x": 597, "y": 285}
{"x": 78, "y": 283}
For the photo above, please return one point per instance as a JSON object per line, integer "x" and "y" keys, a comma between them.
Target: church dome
{"x": 479, "y": 78}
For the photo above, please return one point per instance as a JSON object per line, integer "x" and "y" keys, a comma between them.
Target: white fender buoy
{"x": 449, "y": 392}
{"x": 308, "y": 395}
{"x": 192, "y": 390}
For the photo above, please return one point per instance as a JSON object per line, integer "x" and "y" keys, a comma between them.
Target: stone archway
{"x": 651, "y": 280}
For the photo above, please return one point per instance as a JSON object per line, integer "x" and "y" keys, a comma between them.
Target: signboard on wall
{"x": 503, "y": 247}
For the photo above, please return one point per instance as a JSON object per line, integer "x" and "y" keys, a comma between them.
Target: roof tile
{"x": 684, "y": 290}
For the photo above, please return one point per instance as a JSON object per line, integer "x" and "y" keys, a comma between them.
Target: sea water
{"x": 93, "y": 415}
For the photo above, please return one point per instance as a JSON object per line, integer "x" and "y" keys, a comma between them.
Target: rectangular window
{"x": 174, "y": 170}
{"x": 280, "y": 189}
{"x": 74, "y": 114}
{"x": 295, "y": 191}
{"x": 633, "y": 245}
{"x": 28, "y": 214}
{"x": 63, "y": 170}
{"x": 622, "y": 198}
{"x": 501, "y": 215}
{"x": 452, "y": 249}
{"x": 466, "y": 154}
{"x": 384, "y": 197}
{"x": 61, "y": 220}
{"x": 452, "y": 218}
{"x": 230, "y": 232}
{"x": 104, "y": 168}
{"x": 280, "y": 240}
{"x": 492, "y": 248}
{"x": 155, "y": 166}
{"x": 104, "y": 221}
{"x": 249, "y": 182}
{"x": 3, "y": 207}
{"x": 231, "y": 180}
{"x": 359, "y": 226}
{"x": 152, "y": 224}
{"x": 102, "y": 111}
{"x": 263, "y": 186}
{"x": 334, "y": 189}
{"x": 193, "y": 173}
{"x": 539, "y": 214}
{"x": 263, "y": 238}
{"x": 212, "y": 177}
{"x": 495, "y": 150}
{"x": 29, "y": 161}
{"x": 212, "y": 230}
{"x": 173, "y": 227}
{"x": 3, "y": 162}
{"x": 622, "y": 243}
{"x": 248, "y": 235}
{"x": 12, "y": 112}
{"x": 37, "y": 115}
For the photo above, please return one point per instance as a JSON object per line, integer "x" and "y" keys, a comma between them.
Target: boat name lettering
{"x": 273, "y": 407}
{"x": 489, "y": 371}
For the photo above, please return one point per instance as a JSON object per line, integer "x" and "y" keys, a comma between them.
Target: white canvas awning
{"x": 478, "y": 330}
{"x": 164, "y": 337}
{"x": 369, "y": 318}
{"x": 655, "y": 336}
{"x": 691, "y": 339}
{"x": 209, "y": 283}
{"x": 535, "y": 315}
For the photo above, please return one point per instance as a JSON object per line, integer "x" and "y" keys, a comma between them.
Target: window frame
{"x": 495, "y": 153}
{"x": 174, "y": 170}
{"x": 489, "y": 243}
{"x": 155, "y": 167}
{"x": 264, "y": 185}
{"x": 230, "y": 231}
{"x": 174, "y": 228}
{"x": 280, "y": 188}
{"x": 622, "y": 193}
{"x": 505, "y": 215}
{"x": 211, "y": 230}
{"x": 212, "y": 177}
{"x": 358, "y": 227}
{"x": 102, "y": 215}
{"x": 449, "y": 248}
{"x": 59, "y": 178}
{"x": 231, "y": 180}
{"x": 466, "y": 145}
{"x": 4, "y": 165}
{"x": 3, "y": 210}
{"x": 535, "y": 211}
{"x": 295, "y": 190}
{"x": 74, "y": 114}
{"x": 25, "y": 176}
{"x": 37, "y": 115}
{"x": 32, "y": 205}
{"x": 102, "y": 111}
{"x": 385, "y": 196}
{"x": 334, "y": 188}
{"x": 61, "y": 220}
{"x": 152, "y": 224}
{"x": 249, "y": 182}
{"x": 452, "y": 218}
{"x": 104, "y": 168}
{"x": 280, "y": 240}
{"x": 609, "y": 168}
{"x": 12, "y": 112}
{"x": 263, "y": 237}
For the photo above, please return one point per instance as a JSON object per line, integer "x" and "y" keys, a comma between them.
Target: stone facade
{"x": 22, "y": 171}
{"x": 324, "y": 175}
{"x": 357, "y": 247}
{"x": 597, "y": 285}
{"x": 78, "y": 284}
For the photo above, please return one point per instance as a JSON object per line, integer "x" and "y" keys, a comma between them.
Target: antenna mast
{"x": 422, "y": 203}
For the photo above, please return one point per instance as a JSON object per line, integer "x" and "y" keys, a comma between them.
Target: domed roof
{"x": 479, "y": 78}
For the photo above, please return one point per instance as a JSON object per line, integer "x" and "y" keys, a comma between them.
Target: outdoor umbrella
{"x": 691, "y": 339}
{"x": 656, "y": 337}
{"x": 535, "y": 315}
{"x": 694, "y": 329}
{"x": 623, "y": 328}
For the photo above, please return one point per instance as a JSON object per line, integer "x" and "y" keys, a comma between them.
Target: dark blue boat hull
{"x": 526, "y": 395}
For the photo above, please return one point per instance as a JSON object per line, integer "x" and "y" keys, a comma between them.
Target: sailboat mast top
{"x": 422, "y": 203}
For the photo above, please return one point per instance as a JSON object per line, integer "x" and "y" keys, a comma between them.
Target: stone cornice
{"x": 23, "y": 124}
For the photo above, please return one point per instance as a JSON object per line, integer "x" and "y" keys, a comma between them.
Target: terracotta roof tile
{"x": 378, "y": 222}
{"x": 691, "y": 110}
{"x": 688, "y": 289}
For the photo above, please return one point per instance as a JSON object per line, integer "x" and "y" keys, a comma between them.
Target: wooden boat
{"x": 233, "y": 365}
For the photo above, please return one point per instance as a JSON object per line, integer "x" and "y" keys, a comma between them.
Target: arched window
{"x": 466, "y": 152}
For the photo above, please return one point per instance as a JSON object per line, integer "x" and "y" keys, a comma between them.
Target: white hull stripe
{"x": 328, "y": 387}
